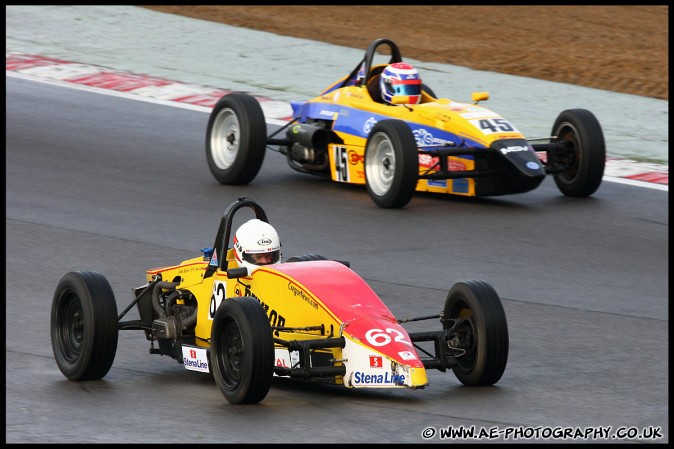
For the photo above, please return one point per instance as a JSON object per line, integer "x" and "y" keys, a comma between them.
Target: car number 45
{"x": 493, "y": 125}
{"x": 341, "y": 164}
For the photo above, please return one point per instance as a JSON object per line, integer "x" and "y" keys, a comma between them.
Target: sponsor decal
{"x": 453, "y": 164}
{"x": 195, "y": 359}
{"x": 407, "y": 355}
{"x": 214, "y": 258}
{"x": 264, "y": 241}
{"x": 483, "y": 113}
{"x": 281, "y": 362}
{"x": 460, "y": 185}
{"x": 513, "y": 148}
{"x": 285, "y": 359}
{"x": 275, "y": 318}
{"x": 386, "y": 378}
{"x": 425, "y": 138}
{"x": 354, "y": 95}
{"x": 376, "y": 361}
{"x": 369, "y": 124}
{"x": 436, "y": 182}
{"x": 427, "y": 161}
{"x": 533, "y": 165}
{"x": 298, "y": 292}
{"x": 355, "y": 158}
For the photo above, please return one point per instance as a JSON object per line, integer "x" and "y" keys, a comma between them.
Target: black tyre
{"x": 242, "y": 350}
{"x": 306, "y": 257}
{"x": 428, "y": 90}
{"x": 84, "y": 328}
{"x": 586, "y": 156}
{"x": 482, "y": 332}
{"x": 235, "y": 139}
{"x": 391, "y": 164}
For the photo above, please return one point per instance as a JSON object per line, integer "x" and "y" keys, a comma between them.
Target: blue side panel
{"x": 360, "y": 123}
{"x": 305, "y": 110}
{"x": 460, "y": 185}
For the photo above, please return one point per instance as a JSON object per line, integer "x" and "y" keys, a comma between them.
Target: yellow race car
{"x": 408, "y": 143}
{"x": 306, "y": 318}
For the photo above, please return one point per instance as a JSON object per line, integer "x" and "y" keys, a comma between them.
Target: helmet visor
{"x": 399, "y": 89}
{"x": 266, "y": 258}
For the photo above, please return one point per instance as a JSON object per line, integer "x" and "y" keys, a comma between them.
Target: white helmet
{"x": 256, "y": 243}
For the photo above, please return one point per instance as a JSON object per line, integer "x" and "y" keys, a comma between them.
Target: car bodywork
{"x": 348, "y": 135}
{"x": 307, "y": 318}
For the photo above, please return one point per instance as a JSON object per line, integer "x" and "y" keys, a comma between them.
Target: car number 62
{"x": 378, "y": 337}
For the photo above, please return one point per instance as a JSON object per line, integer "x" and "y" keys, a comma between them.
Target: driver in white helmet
{"x": 256, "y": 243}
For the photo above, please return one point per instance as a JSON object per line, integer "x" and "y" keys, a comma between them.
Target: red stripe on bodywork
{"x": 352, "y": 301}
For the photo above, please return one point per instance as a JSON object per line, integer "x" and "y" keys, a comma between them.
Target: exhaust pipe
{"x": 309, "y": 136}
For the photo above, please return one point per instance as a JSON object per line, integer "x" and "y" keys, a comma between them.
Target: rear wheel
{"x": 84, "y": 328}
{"x": 585, "y": 154}
{"x": 306, "y": 257}
{"x": 428, "y": 90}
{"x": 482, "y": 332}
{"x": 391, "y": 164}
{"x": 236, "y": 137}
{"x": 242, "y": 350}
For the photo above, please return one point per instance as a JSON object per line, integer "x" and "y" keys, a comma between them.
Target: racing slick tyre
{"x": 428, "y": 90}
{"x": 587, "y": 154}
{"x": 482, "y": 332}
{"x": 242, "y": 350}
{"x": 306, "y": 257}
{"x": 84, "y": 328}
{"x": 391, "y": 163}
{"x": 236, "y": 137}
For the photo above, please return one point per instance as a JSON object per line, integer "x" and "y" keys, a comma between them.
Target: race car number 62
{"x": 378, "y": 337}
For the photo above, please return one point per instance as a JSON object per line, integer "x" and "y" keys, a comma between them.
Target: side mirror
{"x": 234, "y": 273}
{"x": 480, "y": 96}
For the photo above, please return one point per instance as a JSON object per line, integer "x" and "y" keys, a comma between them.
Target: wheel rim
{"x": 225, "y": 139}
{"x": 70, "y": 327}
{"x": 467, "y": 336}
{"x": 571, "y": 157}
{"x": 230, "y": 357}
{"x": 380, "y": 164}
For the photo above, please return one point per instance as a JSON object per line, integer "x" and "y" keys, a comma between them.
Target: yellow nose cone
{"x": 418, "y": 378}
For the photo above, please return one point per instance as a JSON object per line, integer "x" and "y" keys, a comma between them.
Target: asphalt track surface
{"x": 118, "y": 186}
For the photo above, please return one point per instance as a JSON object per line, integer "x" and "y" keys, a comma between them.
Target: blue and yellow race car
{"x": 422, "y": 143}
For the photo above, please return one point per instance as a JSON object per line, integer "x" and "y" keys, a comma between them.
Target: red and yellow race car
{"x": 347, "y": 134}
{"x": 306, "y": 318}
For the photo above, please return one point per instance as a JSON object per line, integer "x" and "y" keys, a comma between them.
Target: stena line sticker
{"x": 195, "y": 359}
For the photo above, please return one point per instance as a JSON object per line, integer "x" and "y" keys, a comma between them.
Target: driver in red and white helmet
{"x": 400, "y": 83}
{"x": 256, "y": 243}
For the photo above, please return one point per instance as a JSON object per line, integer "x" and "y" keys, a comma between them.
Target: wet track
{"x": 119, "y": 186}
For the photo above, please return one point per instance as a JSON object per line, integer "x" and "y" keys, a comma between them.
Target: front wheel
{"x": 585, "y": 153}
{"x": 481, "y": 332}
{"x": 391, "y": 164}
{"x": 242, "y": 350}
{"x": 84, "y": 326}
{"x": 236, "y": 137}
